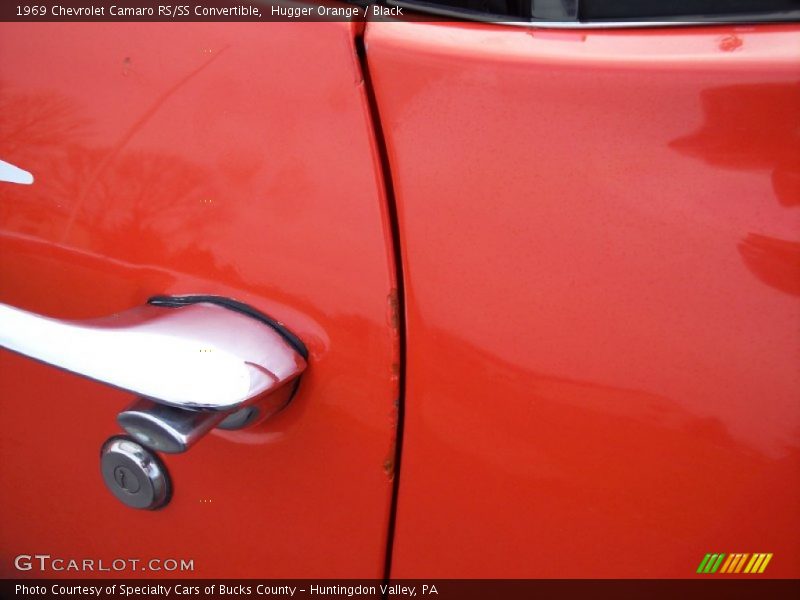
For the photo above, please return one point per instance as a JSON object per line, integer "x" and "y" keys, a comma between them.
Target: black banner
{"x": 361, "y": 10}
{"x": 193, "y": 10}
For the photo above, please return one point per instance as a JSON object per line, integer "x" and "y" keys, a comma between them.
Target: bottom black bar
{"x": 438, "y": 589}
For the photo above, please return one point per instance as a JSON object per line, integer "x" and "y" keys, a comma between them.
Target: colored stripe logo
{"x": 737, "y": 562}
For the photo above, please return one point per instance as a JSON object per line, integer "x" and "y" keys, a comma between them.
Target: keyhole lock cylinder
{"x": 136, "y": 476}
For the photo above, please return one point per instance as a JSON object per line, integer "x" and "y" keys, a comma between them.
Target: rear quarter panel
{"x": 600, "y": 242}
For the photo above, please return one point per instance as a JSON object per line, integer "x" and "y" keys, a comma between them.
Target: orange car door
{"x": 227, "y": 159}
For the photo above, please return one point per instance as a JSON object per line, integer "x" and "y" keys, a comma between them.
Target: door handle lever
{"x": 193, "y": 361}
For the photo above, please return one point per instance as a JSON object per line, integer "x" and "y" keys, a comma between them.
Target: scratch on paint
{"x": 128, "y": 136}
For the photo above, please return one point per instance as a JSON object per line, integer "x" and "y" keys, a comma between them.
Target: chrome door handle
{"x": 193, "y": 361}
